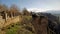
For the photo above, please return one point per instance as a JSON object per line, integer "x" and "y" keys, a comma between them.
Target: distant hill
{"x": 53, "y": 11}
{"x": 50, "y": 16}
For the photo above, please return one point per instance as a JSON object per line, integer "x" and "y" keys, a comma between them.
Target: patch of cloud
{"x": 40, "y": 9}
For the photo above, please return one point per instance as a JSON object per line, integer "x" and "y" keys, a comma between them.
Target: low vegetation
{"x": 20, "y": 28}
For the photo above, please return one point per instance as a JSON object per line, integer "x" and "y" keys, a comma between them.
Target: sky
{"x": 34, "y": 5}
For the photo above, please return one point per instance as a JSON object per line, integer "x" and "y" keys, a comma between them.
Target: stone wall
{"x": 2, "y": 21}
{"x": 9, "y": 21}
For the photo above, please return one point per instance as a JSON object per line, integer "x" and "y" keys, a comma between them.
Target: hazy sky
{"x": 35, "y": 5}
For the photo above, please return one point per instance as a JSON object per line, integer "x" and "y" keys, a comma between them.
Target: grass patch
{"x": 12, "y": 30}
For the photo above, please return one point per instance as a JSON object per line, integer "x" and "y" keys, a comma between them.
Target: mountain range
{"x": 53, "y": 11}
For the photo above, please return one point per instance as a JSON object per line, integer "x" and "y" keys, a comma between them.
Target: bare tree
{"x": 4, "y": 11}
{"x": 14, "y": 10}
{"x": 3, "y": 7}
{"x": 25, "y": 12}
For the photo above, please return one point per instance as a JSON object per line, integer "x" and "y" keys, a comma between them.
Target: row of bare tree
{"x": 13, "y": 9}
